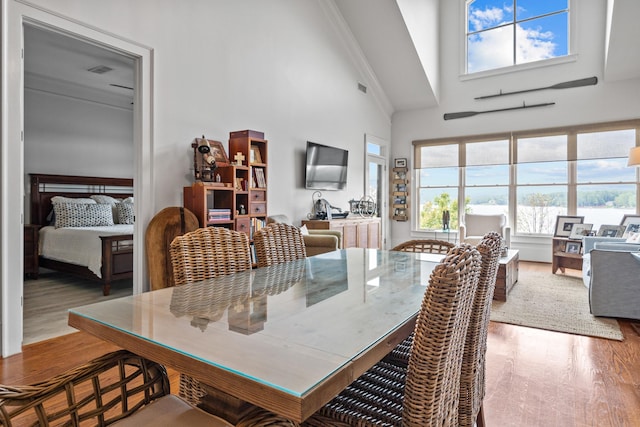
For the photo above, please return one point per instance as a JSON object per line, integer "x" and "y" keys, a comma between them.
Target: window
{"x": 486, "y": 174}
{"x": 541, "y": 183}
{"x": 438, "y": 183}
{"x": 503, "y": 33}
{"x": 605, "y": 185}
{"x": 531, "y": 176}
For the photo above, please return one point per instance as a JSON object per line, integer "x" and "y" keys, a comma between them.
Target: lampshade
{"x": 634, "y": 157}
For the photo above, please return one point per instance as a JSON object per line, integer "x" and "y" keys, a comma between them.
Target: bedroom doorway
{"x": 16, "y": 14}
{"x": 78, "y": 120}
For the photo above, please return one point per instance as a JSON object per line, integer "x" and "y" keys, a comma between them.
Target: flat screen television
{"x": 326, "y": 167}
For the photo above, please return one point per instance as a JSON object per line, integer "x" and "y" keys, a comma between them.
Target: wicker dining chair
{"x": 207, "y": 253}
{"x": 472, "y": 381}
{"x": 426, "y": 393}
{"x": 472, "y": 377}
{"x": 204, "y": 254}
{"x": 118, "y": 388}
{"x": 425, "y": 245}
{"x": 277, "y": 243}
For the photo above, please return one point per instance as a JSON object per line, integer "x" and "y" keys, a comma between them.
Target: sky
{"x": 540, "y": 38}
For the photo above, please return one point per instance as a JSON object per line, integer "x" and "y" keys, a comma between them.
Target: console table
{"x": 561, "y": 258}
{"x": 356, "y": 232}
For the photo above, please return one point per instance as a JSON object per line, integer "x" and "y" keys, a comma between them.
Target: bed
{"x": 104, "y": 253}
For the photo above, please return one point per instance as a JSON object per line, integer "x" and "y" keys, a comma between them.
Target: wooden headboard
{"x": 44, "y": 187}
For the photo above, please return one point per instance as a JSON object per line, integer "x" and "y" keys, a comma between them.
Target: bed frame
{"x": 117, "y": 251}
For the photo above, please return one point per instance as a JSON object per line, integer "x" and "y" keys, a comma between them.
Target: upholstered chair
{"x": 473, "y": 227}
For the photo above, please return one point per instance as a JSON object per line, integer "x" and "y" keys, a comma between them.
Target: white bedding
{"x": 78, "y": 245}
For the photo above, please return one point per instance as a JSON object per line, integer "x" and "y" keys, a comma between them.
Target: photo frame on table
{"x": 573, "y": 247}
{"x": 610, "y": 230}
{"x": 564, "y": 224}
{"x": 401, "y": 163}
{"x": 632, "y": 227}
{"x": 578, "y": 231}
{"x": 629, "y": 218}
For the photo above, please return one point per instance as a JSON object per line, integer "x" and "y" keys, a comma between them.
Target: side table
{"x": 507, "y": 274}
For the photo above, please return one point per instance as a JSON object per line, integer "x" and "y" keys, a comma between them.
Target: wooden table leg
{"x": 224, "y": 405}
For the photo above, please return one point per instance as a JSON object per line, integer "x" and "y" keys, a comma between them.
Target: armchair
{"x": 614, "y": 289}
{"x": 473, "y": 227}
{"x": 316, "y": 241}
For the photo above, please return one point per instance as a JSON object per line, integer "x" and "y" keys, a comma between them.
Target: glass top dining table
{"x": 287, "y": 338}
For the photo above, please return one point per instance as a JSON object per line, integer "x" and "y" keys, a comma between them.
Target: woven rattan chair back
{"x": 278, "y": 243}
{"x": 426, "y": 393}
{"x": 207, "y": 253}
{"x": 425, "y": 245}
{"x": 203, "y": 254}
{"x": 472, "y": 377}
{"x": 99, "y": 392}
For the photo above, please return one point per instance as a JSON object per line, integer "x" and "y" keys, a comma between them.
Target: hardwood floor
{"x": 534, "y": 377}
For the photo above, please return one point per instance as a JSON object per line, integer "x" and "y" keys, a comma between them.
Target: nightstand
{"x": 31, "y": 250}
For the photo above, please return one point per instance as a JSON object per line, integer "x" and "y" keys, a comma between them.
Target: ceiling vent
{"x": 100, "y": 69}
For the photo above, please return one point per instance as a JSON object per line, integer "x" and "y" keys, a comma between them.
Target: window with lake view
{"x": 531, "y": 176}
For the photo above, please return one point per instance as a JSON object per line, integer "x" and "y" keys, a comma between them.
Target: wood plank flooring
{"x": 534, "y": 377}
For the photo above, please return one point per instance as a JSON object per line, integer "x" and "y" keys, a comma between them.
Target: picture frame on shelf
{"x": 573, "y": 247}
{"x": 578, "y": 231}
{"x": 629, "y": 218}
{"x": 218, "y": 152}
{"x": 255, "y": 156}
{"x": 564, "y": 224}
{"x": 401, "y": 163}
{"x": 632, "y": 227}
{"x": 610, "y": 230}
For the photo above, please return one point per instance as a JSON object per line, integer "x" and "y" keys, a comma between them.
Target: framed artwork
{"x": 401, "y": 163}
{"x": 573, "y": 247}
{"x": 632, "y": 227}
{"x": 611, "y": 230}
{"x": 218, "y": 153}
{"x": 627, "y": 219}
{"x": 578, "y": 231}
{"x": 564, "y": 224}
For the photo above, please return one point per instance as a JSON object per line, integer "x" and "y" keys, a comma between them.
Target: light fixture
{"x": 634, "y": 157}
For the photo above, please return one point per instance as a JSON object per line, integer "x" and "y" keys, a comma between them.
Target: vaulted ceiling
{"x": 387, "y": 32}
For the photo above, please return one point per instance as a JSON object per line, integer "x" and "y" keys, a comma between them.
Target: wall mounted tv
{"x": 326, "y": 167}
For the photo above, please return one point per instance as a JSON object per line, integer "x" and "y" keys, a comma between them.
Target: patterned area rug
{"x": 553, "y": 302}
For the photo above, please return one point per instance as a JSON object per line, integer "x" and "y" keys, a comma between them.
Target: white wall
{"x": 217, "y": 66}
{"x": 221, "y": 66}
{"x": 607, "y": 101}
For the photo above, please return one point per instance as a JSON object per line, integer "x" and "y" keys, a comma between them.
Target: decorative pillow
{"x": 304, "y": 231}
{"x": 128, "y": 200}
{"x": 108, "y": 200}
{"x": 125, "y": 213}
{"x": 82, "y": 215}
{"x": 76, "y": 200}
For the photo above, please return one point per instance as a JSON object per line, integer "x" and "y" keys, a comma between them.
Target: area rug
{"x": 555, "y": 303}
